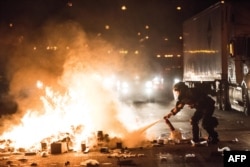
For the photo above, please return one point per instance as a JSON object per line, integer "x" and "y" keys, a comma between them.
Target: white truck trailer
{"x": 216, "y": 53}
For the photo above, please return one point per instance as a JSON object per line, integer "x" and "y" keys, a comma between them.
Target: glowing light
{"x": 176, "y": 80}
{"x": 123, "y": 7}
{"x": 123, "y": 52}
{"x": 70, "y": 4}
{"x": 168, "y": 55}
{"x": 107, "y": 27}
{"x": 178, "y": 8}
{"x": 149, "y": 84}
{"x": 39, "y": 84}
{"x": 202, "y": 51}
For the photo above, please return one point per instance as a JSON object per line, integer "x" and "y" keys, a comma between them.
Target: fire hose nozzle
{"x": 167, "y": 116}
{"x": 169, "y": 124}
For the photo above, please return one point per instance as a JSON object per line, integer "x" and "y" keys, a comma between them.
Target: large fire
{"x": 78, "y": 113}
{"x": 70, "y": 102}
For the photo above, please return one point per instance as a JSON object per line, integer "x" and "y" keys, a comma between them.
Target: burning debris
{"x": 79, "y": 129}
{"x": 76, "y": 135}
{"x": 62, "y": 94}
{"x": 64, "y": 143}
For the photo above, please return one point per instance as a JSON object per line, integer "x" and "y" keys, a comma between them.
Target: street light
{"x": 123, "y": 7}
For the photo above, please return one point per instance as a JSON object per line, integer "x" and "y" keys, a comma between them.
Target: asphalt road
{"x": 233, "y": 129}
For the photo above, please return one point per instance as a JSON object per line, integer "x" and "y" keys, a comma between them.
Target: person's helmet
{"x": 179, "y": 89}
{"x": 180, "y": 86}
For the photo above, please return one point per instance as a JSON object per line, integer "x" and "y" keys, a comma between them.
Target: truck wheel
{"x": 245, "y": 99}
{"x": 223, "y": 99}
{"x": 223, "y": 103}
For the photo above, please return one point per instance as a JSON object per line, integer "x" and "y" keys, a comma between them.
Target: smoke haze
{"x": 55, "y": 77}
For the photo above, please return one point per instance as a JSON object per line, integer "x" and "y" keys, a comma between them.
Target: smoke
{"x": 59, "y": 70}
{"x": 131, "y": 141}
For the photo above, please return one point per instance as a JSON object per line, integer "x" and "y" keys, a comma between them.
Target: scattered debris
{"x": 34, "y": 164}
{"x": 86, "y": 150}
{"x": 163, "y": 138}
{"x": 235, "y": 140}
{"x": 163, "y": 157}
{"x": 104, "y": 150}
{"x": 44, "y": 154}
{"x": 9, "y": 162}
{"x": 90, "y": 162}
{"x": 224, "y": 149}
{"x": 140, "y": 155}
{"x": 201, "y": 143}
{"x": 17, "y": 153}
{"x": 29, "y": 153}
{"x": 5, "y": 158}
{"x": 175, "y": 135}
{"x": 118, "y": 153}
{"x": 59, "y": 147}
{"x": 5, "y": 154}
{"x": 67, "y": 163}
{"x": 190, "y": 157}
{"x": 23, "y": 160}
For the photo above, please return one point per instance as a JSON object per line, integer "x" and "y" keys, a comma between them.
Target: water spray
{"x": 135, "y": 138}
{"x": 143, "y": 129}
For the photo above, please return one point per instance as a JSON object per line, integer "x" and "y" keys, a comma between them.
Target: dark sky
{"x": 22, "y": 20}
{"x": 160, "y": 15}
{"x": 144, "y": 10}
{"x": 127, "y": 28}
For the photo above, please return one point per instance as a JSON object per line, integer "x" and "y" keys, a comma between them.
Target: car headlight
{"x": 124, "y": 88}
{"x": 149, "y": 87}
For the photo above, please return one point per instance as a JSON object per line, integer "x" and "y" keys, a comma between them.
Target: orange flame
{"x": 80, "y": 111}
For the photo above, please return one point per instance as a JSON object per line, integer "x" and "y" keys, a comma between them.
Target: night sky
{"x": 162, "y": 17}
{"x": 149, "y": 26}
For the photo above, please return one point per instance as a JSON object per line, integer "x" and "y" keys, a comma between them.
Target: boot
{"x": 212, "y": 140}
{"x": 213, "y": 137}
{"x": 195, "y": 131}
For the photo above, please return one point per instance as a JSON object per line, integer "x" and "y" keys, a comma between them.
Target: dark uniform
{"x": 204, "y": 109}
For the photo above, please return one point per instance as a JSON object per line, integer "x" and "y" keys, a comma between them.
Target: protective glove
{"x": 168, "y": 115}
